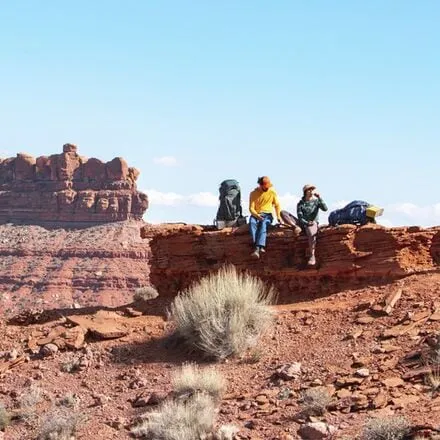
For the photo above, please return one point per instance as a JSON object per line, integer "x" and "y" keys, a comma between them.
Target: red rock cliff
{"x": 347, "y": 256}
{"x": 103, "y": 264}
{"x": 67, "y": 187}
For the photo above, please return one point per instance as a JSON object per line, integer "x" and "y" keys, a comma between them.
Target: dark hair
{"x": 260, "y": 180}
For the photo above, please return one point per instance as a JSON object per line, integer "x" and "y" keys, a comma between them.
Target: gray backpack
{"x": 229, "y": 211}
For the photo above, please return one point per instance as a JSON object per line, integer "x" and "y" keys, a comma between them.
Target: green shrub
{"x": 223, "y": 314}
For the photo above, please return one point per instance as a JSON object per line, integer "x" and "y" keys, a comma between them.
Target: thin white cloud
{"x": 411, "y": 213}
{"x": 166, "y": 161}
{"x": 166, "y": 199}
{"x": 5, "y": 153}
{"x": 201, "y": 199}
{"x": 398, "y": 214}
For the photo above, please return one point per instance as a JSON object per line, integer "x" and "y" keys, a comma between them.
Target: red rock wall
{"x": 67, "y": 187}
{"x": 347, "y": 256}
{"x": 47, "y": 268}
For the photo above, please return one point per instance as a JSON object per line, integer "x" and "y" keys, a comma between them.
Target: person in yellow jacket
{"x": 263, "y": 201}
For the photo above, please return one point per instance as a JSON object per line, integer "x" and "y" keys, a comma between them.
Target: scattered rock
{"x": 48, "y": 350}
{"x": 343, "y": 382}
{"x": 402, "y": 402}
{"x": 261, "y": 399}
{"x": 289, "y": 371}
{"x": 364, "y": 319}
{"x": 380, "y": 401}
{"x": 104, "y": 325}
{"x": 363, "y": 372}
{"x": 316, "y": 431}
{"x": 393, "y": 382}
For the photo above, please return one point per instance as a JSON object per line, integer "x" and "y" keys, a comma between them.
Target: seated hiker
{"x": 262, "y": 202}
{"x": 308, "y": 209}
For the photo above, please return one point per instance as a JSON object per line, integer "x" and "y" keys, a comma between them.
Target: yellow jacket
{"x": 264, "y": 202}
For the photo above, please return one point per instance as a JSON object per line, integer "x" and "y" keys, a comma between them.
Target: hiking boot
{"x": 312, "y": 261}
{"x": 256, "y": 254}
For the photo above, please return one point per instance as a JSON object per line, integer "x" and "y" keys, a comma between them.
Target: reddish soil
{"x": 323, "y": 334}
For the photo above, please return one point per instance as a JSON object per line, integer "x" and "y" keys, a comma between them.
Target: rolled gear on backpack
{"x": 229, "y": 212}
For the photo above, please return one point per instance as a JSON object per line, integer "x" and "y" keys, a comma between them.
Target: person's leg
{"x": 261, "y": 238}
{"x": 254, "y": 231}
{"x": 311, "y": 231}
{"x": 253, "y": 227}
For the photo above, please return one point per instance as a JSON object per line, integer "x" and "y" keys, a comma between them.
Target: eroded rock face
{"x": 53, "y": 267}
{"x": 348, "y": 256}
{"x": 67, "y": 187}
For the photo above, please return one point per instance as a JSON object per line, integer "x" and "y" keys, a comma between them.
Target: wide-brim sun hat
{"x": 308, "y": 186}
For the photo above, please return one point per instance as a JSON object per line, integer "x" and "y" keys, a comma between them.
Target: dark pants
{"x": 258, "y": 229}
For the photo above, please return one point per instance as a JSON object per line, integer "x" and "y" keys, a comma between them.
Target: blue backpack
{"x": 355, "y": 213}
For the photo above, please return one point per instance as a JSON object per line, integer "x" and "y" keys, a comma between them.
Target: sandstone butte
{"x": 68, "y": 187}
{"x": 49, "y": 259}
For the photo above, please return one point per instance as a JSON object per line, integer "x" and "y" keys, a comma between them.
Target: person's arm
{"x": 277, "y": 206}
{"x": 321, "y": 203}
{"x": 300, "y": 214}
{"x": 252, "y": 209}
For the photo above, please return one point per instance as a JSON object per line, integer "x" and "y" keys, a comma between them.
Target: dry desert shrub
{"x": 226, "y": 432}
{"x": 192, "y": 379}
{"x": 60, "y": 425}
{"x": 223, "y": 314}
{"x": 392, "y": 428}
{"x": 314, "y": 401}
{"x": 28, "y": 402}
{"x": 179, "y": 420}
{"x": 143, "y": 294}
{"x": 5, "y": 418}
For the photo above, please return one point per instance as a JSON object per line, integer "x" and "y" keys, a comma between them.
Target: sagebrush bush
{"x": 314, "y": 401}
{"x": 223, "y": 314}
{"x": 191, "y": 379}
{"x": 28, "y": 402}
{"x": 226, "y": 432}
{"x": 59, "y": 425}
{"x": 392, "y": 428}
{"x": 143, "y": 294}
{"x": 179, "y": 420}
{"x": 5, "y": 418}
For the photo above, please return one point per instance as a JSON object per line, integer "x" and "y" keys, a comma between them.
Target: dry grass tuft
{"x": 60, "y": 425}
{"x": 179, "y": 420}
{"x": 393, "y": 428}
{"x": 192, "y": 379}
{"x": 5, "y": 418}
{"x": 226, "y": 432}
{"x": 143, "y": 294}
{"x": 28, "y": 402}
{"x": 314, "y": 401}
{"x": 69, "y": 401}
{"x": 223, "y": 314}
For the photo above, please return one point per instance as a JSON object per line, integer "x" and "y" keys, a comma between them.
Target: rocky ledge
{"x": 54, "y": 267}
{"x": 348, "y": 256}
{"x": 68, "y": 187}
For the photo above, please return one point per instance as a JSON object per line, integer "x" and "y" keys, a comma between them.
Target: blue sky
{"x": 343, "y": 94}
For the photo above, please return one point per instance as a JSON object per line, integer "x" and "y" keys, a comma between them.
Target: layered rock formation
{"x": 347, "y": 256}
{"x": 67, "y": 187}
